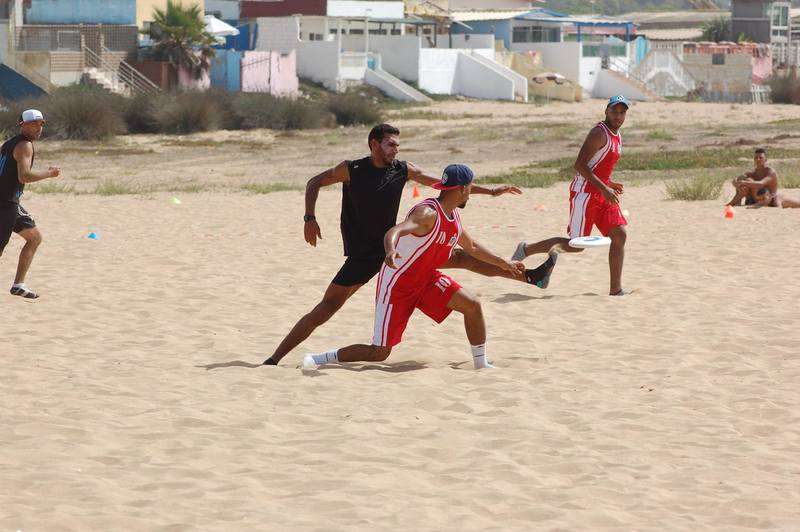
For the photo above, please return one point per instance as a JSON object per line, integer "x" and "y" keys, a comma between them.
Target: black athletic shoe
{"x": 540, "y": 276}
{"x": 269, "y": 362}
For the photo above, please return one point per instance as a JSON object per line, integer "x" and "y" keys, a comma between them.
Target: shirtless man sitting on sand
{"x": 749, "y": 183}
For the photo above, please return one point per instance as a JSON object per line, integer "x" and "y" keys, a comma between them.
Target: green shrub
{"x": 51, "y": 187}
{"x": 527, "y": 177}
{"x": 83, "y": 113}
{"x": 352, "y": 108}
{"x": 696, "y": 189}
{"x": 659, "y": 134}
{"x": 260, "y": 110}
{"x": 790, "y": 181}
{"x": 784, "y": 89}
{"x": 187, "y": 112}
{"x": 268, "y": 188}
{"x": 109, "y": 187}
{"x": 141, "y": 114}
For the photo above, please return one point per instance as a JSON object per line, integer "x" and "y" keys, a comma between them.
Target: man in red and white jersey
{"x": 409, "y": 278}
{"x": 593, "y": 196}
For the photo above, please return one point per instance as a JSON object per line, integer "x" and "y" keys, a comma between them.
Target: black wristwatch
{"x": 309, "y": 218}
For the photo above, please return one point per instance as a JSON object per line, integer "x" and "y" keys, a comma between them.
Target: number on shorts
{"x": 443, "y": 283}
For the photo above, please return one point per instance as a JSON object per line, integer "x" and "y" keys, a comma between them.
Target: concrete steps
{"x": 106, "y": 80}
{"x": 393, "y": 87}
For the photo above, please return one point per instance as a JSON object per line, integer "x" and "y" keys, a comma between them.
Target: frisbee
{"x": 589, "y": 242}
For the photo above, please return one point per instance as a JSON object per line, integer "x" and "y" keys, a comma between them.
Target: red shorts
{"x": 432, "y": 299}
{"x": 587, "y": 210}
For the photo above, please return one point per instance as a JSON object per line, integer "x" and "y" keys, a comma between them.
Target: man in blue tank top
{"x": 16, "y": 169}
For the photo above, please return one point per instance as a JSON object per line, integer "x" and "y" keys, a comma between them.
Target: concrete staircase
{"x": 392, "y": 86}
{"x": 104, "y": 79}
{"x": 109, "y": 71}
{"x": 630, "y": 86}
{"x": 664, "y": 73}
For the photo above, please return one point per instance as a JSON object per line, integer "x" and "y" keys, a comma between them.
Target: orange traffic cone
{"x": 728, "y": 211}
{"x": 415, "y": 192}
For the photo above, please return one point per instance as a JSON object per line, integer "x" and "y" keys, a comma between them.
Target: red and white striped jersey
{"x": 602, "y": 163}
{"x": 420, "y": 256}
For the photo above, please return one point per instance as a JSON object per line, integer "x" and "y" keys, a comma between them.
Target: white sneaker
{"x": 308, "y": 363}
{"x": 519, "y": 254}
{"x": 487, "y": 365}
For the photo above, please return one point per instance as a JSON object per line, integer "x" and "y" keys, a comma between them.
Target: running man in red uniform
{"x": 593, "y": 196}
{"x": 409, "y": 278}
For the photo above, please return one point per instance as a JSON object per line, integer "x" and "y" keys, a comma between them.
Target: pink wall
{"x": 762, "y": 69}
{"x": 271, "y": 72}
{"x": 187, "y": 81}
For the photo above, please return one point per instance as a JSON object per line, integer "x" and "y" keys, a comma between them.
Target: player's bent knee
{"x": 472, "y": 305}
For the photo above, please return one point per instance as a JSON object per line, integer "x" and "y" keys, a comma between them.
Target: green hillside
{"x": 615, "y": 7}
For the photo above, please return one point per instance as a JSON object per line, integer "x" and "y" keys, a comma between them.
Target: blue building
{"x": 81, "y": 12}
{"x": 542, "y": 26}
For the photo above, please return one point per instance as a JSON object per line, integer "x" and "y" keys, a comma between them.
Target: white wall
{"x": 281, "y": 34}
{"x": 477, "y": 80}
{"x": 319, "y": 61}
{"x": 464, "y": 41}
{"x": 354, "y": 43}
{"x": 400, "y": 55}
{"x": 520, "y": 82}
{"x": 63, "y": 79}
{"x": 590, "y": 70}
{"x": 561, "y": 57}
{"x": 354, "y": 8}
{"x": 609, "y": 85}
{"x": 437, "y": 70}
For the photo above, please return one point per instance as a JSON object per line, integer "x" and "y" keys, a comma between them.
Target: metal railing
{"x": 785, "y": 54}
{"x": 664, "y": 61}
{"x": 123, "y": 76}
{"x": 621, "y": 66}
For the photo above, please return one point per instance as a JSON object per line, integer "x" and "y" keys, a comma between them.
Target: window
{"x": 535, "y": 34}
{"x": 717, "y": 59}
{"x": 780, "y": 16}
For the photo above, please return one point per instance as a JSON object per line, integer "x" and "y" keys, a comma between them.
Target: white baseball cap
{"x": 31, "y": 115}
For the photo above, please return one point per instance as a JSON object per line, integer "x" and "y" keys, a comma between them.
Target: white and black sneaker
{"x": 22, "y": 291}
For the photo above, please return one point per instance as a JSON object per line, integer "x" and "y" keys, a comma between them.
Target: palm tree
{"x": 717, "y": 30}
{"x": 181, "y": 38}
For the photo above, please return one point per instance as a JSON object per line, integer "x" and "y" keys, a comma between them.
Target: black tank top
{"x": 370, "y": 202}
{"x": 10, "y": 187}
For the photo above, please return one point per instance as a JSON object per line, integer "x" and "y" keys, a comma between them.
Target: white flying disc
{"x": 590, "y": 242}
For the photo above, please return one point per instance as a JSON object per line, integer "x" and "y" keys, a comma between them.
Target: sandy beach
{"x": 133, "y": 398}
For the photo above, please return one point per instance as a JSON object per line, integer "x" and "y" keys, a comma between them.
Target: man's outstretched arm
{"x": 426, "y": 178}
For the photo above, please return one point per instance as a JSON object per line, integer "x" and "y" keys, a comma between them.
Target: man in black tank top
{"x": 372, "y": 188}
{"x": 16, "y": 162}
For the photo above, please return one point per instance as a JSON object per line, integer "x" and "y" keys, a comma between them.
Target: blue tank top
{"x": 10, "y": 187}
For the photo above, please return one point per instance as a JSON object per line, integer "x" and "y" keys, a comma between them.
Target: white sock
{"x": 18, "y": 285}
{"x": 479, "y": 356}
{"x": 327, "y": 357}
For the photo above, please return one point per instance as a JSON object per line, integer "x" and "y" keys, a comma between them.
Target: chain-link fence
{"x": 70, "y": 38}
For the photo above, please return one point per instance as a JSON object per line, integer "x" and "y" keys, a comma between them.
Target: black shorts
{"x": 13, "y": 219}
{"x": 357, "y": 271}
